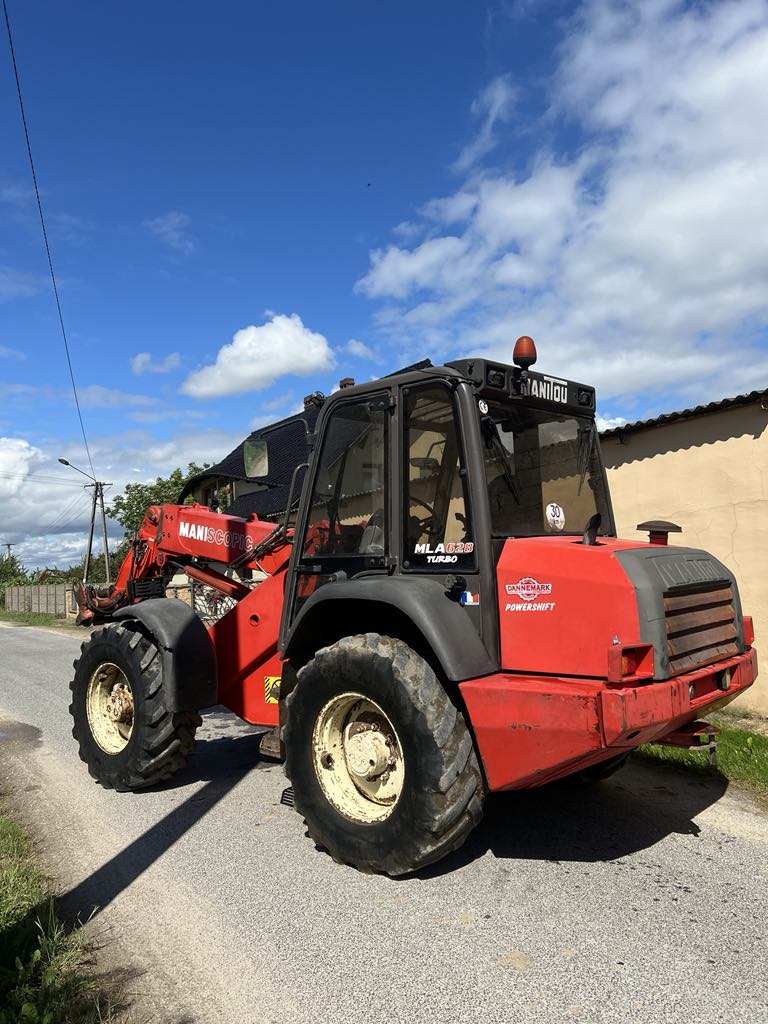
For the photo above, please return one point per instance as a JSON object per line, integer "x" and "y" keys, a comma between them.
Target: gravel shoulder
{"x": 640, "y": 899}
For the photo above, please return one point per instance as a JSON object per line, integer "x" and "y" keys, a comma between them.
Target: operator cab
{"x": 427, "y": 472}
{"x": 540, "y": 450}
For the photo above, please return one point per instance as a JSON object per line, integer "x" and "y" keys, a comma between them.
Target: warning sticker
{"x": 271, "y": 689}
{"x": 555, "y": 516}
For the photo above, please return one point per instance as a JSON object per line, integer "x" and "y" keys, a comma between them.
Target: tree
{"x": 12, "y": 574}
{"x": 129, "y": 507}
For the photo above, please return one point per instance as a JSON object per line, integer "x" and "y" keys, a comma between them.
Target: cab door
{"x": 344, "y": 523}
{"x": 437, "y": 531}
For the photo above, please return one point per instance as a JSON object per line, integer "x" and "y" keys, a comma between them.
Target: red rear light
{"x": 749, "y": 631}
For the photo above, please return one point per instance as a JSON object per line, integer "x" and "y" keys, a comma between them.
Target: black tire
{"x": 603, "y": 770}
{"x": 160, "y": 740}
{"x": 443, "y": 789}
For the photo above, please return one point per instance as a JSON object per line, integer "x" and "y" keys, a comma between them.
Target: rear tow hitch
{"x": 695, "y": 736}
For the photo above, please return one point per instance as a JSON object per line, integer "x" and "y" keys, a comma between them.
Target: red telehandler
{"x": 443, "y": 610}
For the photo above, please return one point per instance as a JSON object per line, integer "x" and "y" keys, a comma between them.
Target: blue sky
{"x": 247, "y": 202}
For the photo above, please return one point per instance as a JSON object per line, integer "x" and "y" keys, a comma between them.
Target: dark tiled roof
{"x": 685, "y": 414}
{"x": 287, "y": 449}
{"x": 264, "y": 503}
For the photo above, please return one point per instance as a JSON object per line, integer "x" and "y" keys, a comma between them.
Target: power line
{"x": 35, "y": 478}
{"x": 45, "y": 233}
{"x": 67, "y": 510}
{"x": 81, "y": 513}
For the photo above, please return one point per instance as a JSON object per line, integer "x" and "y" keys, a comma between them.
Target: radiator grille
{"x": 701, "y": 626}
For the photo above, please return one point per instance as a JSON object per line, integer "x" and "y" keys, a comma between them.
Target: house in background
{"x": 705, "y": 469}
{"x": 287, "y": 441}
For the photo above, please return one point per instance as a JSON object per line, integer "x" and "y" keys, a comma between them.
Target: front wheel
{"x": 382, "y": 764}
{"x": 127, "y": 735}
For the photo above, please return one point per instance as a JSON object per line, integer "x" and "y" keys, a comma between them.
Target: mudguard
{"x": 441, "y": 620}
{"x": 189, "y": 660}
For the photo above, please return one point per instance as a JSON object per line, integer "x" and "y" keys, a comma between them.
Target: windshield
{"x": 543, "y": 471}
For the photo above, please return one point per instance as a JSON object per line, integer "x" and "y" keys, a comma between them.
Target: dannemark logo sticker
{"x": 271, "y": 689}
{"x": 528, "y": 588}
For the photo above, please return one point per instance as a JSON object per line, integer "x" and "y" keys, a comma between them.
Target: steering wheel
{"x": 426, "y": 523}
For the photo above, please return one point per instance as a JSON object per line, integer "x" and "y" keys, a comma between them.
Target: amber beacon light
{"x": 525, "y": 352}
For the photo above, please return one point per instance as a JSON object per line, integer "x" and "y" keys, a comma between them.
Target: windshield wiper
{"x": 490, "y": 432}
{"x": 587, "y": 438}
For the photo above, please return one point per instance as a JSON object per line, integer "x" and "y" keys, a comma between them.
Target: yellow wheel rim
{"x": 109, "y": 705}
{"x": 358, "y": 758}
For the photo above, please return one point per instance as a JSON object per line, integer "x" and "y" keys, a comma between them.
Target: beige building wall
{"x": 708, "y": 474}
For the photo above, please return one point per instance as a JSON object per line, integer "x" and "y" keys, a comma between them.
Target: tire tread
{"x": 169, "y": 736}
{"x": 455, "y": 798}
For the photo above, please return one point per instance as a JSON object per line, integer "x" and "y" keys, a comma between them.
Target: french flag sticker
{"x": 468, "y": 598}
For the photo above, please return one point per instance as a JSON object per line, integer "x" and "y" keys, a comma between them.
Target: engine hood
{"x": 563, "y": 604}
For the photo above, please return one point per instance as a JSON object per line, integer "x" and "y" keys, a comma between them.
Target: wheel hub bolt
{"x": 366, "y": 753}
{"x": 119, "y": 706}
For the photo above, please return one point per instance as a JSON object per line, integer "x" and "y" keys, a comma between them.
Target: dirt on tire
{"x": 161, "y": 739}
{"x": 443, "y": 790}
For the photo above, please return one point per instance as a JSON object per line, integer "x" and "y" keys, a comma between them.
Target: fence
{"x": 46, "y": 598}
{"x": 59, "y": 599}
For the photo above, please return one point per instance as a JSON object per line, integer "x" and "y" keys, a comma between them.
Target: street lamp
{"x": 98, "y": 495}
{"x": 64, "y": 462}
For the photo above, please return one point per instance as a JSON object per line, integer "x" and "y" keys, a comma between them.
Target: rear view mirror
{"x": 427, "y": 467}
{"x": 255, "y": 459}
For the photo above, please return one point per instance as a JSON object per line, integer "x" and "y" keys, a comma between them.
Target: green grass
{"x": 35, "y": 619}
{"x": 742, "y": 756}
{"x": 42, "y": 980}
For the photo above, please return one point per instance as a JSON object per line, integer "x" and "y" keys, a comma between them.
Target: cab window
{"x": 348, "y": 507}
{"x": 437, "y": 530}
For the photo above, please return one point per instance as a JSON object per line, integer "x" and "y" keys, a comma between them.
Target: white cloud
{"x": 278, "y": 402}
{"x": 399, "y": 272}
{"x": 17, "y": 460}
{"x": 637, "y": 261}
{"x": 95, "y": 396}
{"x": 159, "y": 413}
{"x": 609, "y": 422}
{"x": 16, "y": 194}
{"x": 11, "y": 353}
{"x": 494, "y": 105}
{"x": 361, "y": 351}
{"x": 45, "y": 507}
{"x": 142, "y": 363}
{"x": 70, "y": 228}
{"x": 257, "y": 356}
{"x": 17, "y": 284}
{"x": 171, "y": 229}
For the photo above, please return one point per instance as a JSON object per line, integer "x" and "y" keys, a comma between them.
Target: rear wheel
{"x": 381, "y": 762}
{"x": 127, "y": 736}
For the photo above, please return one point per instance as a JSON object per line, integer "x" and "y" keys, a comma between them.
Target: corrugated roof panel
{"x": 684, "y": 414}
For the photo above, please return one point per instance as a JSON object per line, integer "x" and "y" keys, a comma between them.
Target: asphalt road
{"x": 643, "y": 899}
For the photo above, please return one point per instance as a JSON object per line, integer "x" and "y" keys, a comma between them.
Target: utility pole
{"x": 8, "y": 547}
{"x": 98, "y": 498}
{"x": 90, "y": 532}
{"x": 104, "y": 531}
